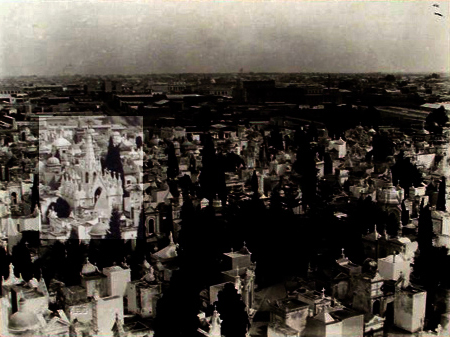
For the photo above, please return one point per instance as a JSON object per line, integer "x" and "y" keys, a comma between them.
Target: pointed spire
{"x": 12, "y": 279}
{"x": 343, "y": 255}
{"x": 324, "y": 315}
{"x": 120, "y": 329}
{"x": 215, "y": 330}
{"x": 91, "y": 163}
{"x": 323, "y": 293}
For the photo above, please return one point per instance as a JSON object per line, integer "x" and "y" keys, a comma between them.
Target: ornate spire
{"x": 215, "y": 330}
{"x": 12, "y": 279}
{"x": 120, "y": 330}
{"x": 91, "y": 164}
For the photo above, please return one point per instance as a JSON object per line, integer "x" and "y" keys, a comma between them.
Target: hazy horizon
{"x": 229, "y": 73}
{"x": 47, "y": 38}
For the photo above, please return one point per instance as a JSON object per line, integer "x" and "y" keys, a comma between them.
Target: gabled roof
{"x": 325, "y": 317}
{"x": 341, "y": 276}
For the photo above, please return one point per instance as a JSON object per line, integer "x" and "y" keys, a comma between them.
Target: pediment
{"x": 57, "y": 323}
{"x": 341, "y": 276}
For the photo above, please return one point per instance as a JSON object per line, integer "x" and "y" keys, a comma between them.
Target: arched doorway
{"x": 389, "y": 313}
{"x": 14, "y": 198}
{"x": 376, "y": 307}
{"x": 97, "y": 194}
{"x": 150, "y": 228}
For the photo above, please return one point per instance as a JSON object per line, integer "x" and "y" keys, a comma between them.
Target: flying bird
{"x": 436, "y": 5}
{"x": 438, "y": 14}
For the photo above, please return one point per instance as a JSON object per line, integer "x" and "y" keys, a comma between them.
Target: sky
{"x": 142, "y": 37}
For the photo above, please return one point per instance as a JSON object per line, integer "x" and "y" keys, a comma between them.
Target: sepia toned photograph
{"x": 89, "y": 169}
{"x": 240, "y": 168}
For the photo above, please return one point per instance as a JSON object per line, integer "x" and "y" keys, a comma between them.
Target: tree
{"x": 276, "y": 139}
{"x": 382, "y": 147}
{"x": 232, "y": 311}
{"x": 405, "y": 173}
{"x": 263, "y": 155}
{"x": 141, "y": 232}
{"x": 254, "y": 182}
{"x": 6, "y": 172}
{"x": 114, "y": 225}
{"x": 390, "y": 78}
{"x": 139, "y": 142}
{"x": 328, "y": 164}
{"x": 179, "y": 304}
{"x": 192, "y": 164}
{"x": 21, "y": 258}
{"x": 437, "y": 119}
{"x": 305, "y": 165}
{"x": 425, "y": 230}
{"x": 172, "y": 164}
{"x": 435, "y": 76}
{"x": 61, "y": 207}
{"x": 208, "y": 174}
{"x": 405, "y": 214}
{"x": 35, "y": 192}
{"x": 54, "y": 263}
{"x": 4, "y": 264}
{"x": 75, "y": 259}
{"x": 221, "y": 188}
{"x": 186, "y": 185}
{"x": 113, "y": 162}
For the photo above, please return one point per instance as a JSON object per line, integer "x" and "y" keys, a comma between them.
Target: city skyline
{"x": 132, "y": 37}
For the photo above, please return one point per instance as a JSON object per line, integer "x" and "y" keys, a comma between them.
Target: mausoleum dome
{"x": 52, "y": 161}
{"x": 23, "y": 321}
{"x": 61, "y": 142}
{"x": 88, "y": 268}
{"x": 99, "y": 229}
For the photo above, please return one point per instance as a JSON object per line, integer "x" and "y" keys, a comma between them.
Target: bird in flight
{"x": 438, "y": 14}
{"x": 436, "y": 5}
